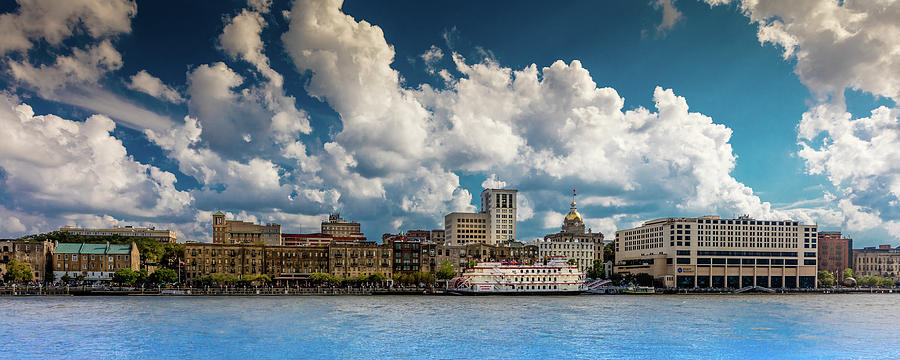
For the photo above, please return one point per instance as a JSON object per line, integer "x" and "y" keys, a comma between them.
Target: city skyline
{"x": 397, "y": 114}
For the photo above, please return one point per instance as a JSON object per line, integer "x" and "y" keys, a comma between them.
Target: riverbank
{"x": 338, "y": 291}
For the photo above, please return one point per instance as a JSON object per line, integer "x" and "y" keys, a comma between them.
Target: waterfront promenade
{"x": 359, "y": 291}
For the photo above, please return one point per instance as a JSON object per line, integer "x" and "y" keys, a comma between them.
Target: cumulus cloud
{"x": 153, "y": 86}
{"x": 53, "y": 165}
{"x": 839, "y": 46}
{"x": 544, "y": 126}
{"x": 83, "y": 66}
{"x": 54, "y": 21}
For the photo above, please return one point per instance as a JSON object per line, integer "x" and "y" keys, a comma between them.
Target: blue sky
{"x": 395, "y": 113}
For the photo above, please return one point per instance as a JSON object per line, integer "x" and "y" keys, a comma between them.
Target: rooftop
{"x": 97, "y": 249}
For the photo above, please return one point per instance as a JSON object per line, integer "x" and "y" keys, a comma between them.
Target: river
{"x": 494, "y": 327}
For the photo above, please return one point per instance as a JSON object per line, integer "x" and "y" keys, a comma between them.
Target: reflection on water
{"x": 757, "y": 326}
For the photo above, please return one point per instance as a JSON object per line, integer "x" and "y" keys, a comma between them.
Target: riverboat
{"x": 639, "y": 290}
{"x": 553, "y": 276}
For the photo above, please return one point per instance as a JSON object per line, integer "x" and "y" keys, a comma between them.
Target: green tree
{"x": 471, "y": 264}
{"x": 126, "y": 276}
{"x": 66, "y": 279}
{"x": 17, "y": 271}
{"x": 319, "y": 278}
{"x": 445, "y": 270}
{"x": 377, "y": 278}
{"x": 609, "y": 253}
{"x": 163, "y": 276}
{"x": 848, "y": 273}
{"x": 80, "y": 277}
{"x": 597, "y": 270}
{"x": 826, "y": 279}
{"x": 49, "y": 276}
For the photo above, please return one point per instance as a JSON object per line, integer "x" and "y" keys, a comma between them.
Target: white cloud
{"x": 837, "y": 44}
{"x": 153, "y": 86}
{"x": 431, "y": 58}
{"x": 84, "y": 66}
{"x": 53, "y": 165}
{"x": 670, "y": 13}
{"x": 55, "y": 21}
{"x": 492, "y": 182}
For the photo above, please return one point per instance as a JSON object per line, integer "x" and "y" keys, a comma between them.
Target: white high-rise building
{"x": 500, "y": 206}
{"x": 494, "y": 224}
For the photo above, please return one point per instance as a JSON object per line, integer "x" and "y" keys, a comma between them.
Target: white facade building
{"x": 493, "y": 225}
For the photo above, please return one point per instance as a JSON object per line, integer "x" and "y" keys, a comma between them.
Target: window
{"x": 684, "y": 261}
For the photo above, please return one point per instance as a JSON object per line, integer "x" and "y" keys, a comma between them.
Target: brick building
{"x": 96, "y": 262}
{"x": 36, "y": 254}
{"x": 835, "y": 253}
{"x": 239, "y": 260}
{"x": 238, "y": 232}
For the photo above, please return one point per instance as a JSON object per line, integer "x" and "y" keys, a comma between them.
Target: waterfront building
{"x": 315, "y": 239}
{"x": 500, "y": 206}
{"x": 338, "y": 227}
{"x": 281, "y": 263}
{"x": 437, "y": 236}
{"x": 573, "y": 242}
{"x": 164, "y": 236}
{"x": 238, "y": 232}
{"x": 96, "y": 262}
{"x": 37, "y": 254}
{"x": 421, "y": 236}
{"x": 495, "y": 222}
{"x": 835, "y": 253}
{"x": 466, "y": 228}
{"x": 351, "y": 260}
{"x": 721, "y": 253}
{"x": 407, "y": 254}
{"x": 882, "y": 261}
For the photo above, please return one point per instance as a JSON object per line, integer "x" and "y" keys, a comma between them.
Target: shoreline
{"x": 231, "y": 292}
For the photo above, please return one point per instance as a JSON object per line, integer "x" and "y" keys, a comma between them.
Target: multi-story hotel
{"x": 437, "y": 236}
{"x": 835, "y": 253}
{"x": 882, "y": 261}
{"x": 165, "y": 236}
{"x": 282, "y": 263}
{"x": 94, "y": 261}
{"x": 36, "y": 254}
{"x": 242, "y": 232}
{"x": 495, "y": 223}
{"x": 573, "y": 242}
{"x": 720, "y": 253}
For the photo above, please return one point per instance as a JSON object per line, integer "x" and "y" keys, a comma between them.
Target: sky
{"x": 395, "y": 113}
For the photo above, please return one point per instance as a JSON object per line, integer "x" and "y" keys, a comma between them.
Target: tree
{"x": 163, "y": 276}
{"x": 826, "y": 279}
{"x": 445, "y": 271}
{"x": 377, "y": 278}
{"x": 17, "y": 271}
{"x": 49, "y": 276}
{"x": 573, "y": 262}
{"x": 66, "y": 278}
{"x": 125, "y": 276}
{"x": 319, "y": 278}
{"x": 848, "y": 273}
{"x": 609, "y": 252}
{"x": 597, "y": 271}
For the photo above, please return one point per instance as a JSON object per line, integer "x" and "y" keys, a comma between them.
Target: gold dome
{"x": 573, "y": 214}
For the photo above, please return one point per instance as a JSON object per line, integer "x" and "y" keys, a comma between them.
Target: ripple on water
{"x": 814, "y": 326}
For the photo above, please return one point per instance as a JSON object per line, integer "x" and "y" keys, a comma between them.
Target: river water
{"x": 366, "y": 327}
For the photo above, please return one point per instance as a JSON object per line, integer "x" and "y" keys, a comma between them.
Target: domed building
{"x": 573, "y": 241}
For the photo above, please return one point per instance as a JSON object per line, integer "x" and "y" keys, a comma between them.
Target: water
{"x": 365, "y": 327}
